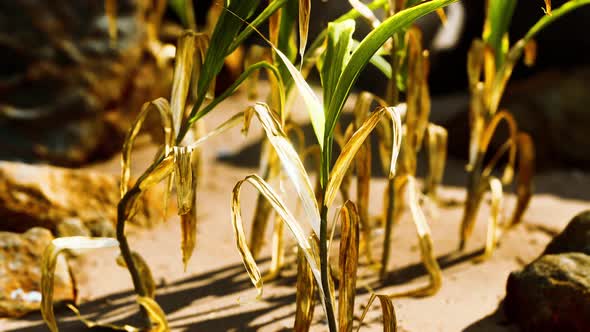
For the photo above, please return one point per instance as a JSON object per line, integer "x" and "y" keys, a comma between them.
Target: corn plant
{"x": 493, "y": 59}
{"x": 339, "y": 70}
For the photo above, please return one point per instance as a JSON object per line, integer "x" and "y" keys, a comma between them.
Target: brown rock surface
{"x": 20, "y": 272}
{"x": 67, "y": 202}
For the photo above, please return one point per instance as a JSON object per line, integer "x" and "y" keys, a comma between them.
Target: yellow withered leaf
{"x": 494, "y": 227}
{"x": 184, "y": 178}
{"x": 437, "y": 156}
{"x": 348, "y": 263}
{"x": 291, "y": 163}
{"x": 92, "y": 324}
{"x": 304, "y": 15}
{"x": 278, "y": 250}
{"x": 163, "y": 108}
{"x": 524, "y": 179}
{"x": 530, "y": 52}
{"x": 475, "y": 59}
{"x": 110, "y": 7}
{"x": 144, "y": 271}
{"x": 183, "y": 69}
{"x": 489, "y": 132}
{"x": 280, "y": 208}
{"x": 158, "y": 173}
{"x": 547, "y": 8}
{"x": 424, "y": 238}
{"x": 49, "y": 262}
{"x": 356, "y": 141}
{"x": 155, "y": 313}
{"x": 389, "y": 318}
{"x": 188, "y": 224}
{"x": 442, "y": 15}
{"x": 304, "y": 298}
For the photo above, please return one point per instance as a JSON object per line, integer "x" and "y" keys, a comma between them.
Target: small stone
{"x": 551, "y": 294}
{"x": 574, "y": 238}
{"x": 84, "y": 201}
{"x": 20, "y": 272}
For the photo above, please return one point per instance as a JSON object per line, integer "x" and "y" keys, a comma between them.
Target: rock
{"x": 20, "y": 272}
{"x": 67, "y": 202}
{"x": 62, "y": 79}
{"x": 551, "y": 294}
{"x": 574, "y": 238}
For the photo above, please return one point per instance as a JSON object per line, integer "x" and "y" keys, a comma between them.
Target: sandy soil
{"x": 205, "y": 297}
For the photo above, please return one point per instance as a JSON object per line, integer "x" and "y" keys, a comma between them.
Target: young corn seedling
{"x": 339, "y": 70}
{"x": 199, "y": 59}
{"x": 494, "y": 59}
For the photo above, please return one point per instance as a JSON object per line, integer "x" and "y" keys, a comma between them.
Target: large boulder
{"x": 20, "y": 272}
{"x": 67, "y": 202}
{"x": 65, "y": 87}
{"x": 574, "y": 238}
{"x": 551, "y": 294}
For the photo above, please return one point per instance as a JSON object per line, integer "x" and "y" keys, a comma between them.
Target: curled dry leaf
{"x": 144, "y": 270}
{"x": 524, "y": 179}
{"x": 93, "y": 324}
{"x": 155, "y": 313}
{"x": 494, "y": 226}
{"x": 305, "y": 290}
{"x": 49, "y": 262}
{"x": 487, "y": 137}
{"x": 280, "y": 208}
{"x": 356, "y": 141}
{"x": 348, "y": 264}
{"x": 163, "y": 108}
{"x": 389, "y": 318}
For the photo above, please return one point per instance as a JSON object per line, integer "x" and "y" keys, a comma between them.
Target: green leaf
{"x": 496, "y": 26}
{"x": 335, "y": 58}
{"x": 367, "y": 48}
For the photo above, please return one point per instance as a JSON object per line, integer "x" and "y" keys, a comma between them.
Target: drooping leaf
{"x": 49, "y": 261}
{"x": 304, "y": 15}
{"x": 161, "y": 105}
{"x": 144, "y": 271}
{"x": 524, "y": 179}
{"x": 155, "y": 313}
{"x": 389, "y": 318}
{"x": 280, "y": 208}
{"x": 367, "y": 48}
{"x": 486, "y": 138}
{"x": 92, "y": 324}
{"x": 304, "y": 299}
{"x": 354, "y": 144}
{"x": 437, "y": 156}
{"x": 494, "y": 227}
{"x": 348, "y": 264}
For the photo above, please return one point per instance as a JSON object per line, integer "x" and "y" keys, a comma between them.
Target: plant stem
{"x": 324, "y": 263}
{"x": 122, "y": 208}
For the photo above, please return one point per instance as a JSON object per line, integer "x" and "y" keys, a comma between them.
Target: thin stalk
{"x": 324, "y": 264}
{"x": 472, "y": 200}
{"x": 389, "y": 221}
{"x": 122, "y": 208}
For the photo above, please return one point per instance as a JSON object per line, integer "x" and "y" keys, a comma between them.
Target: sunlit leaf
{"x": 494, "y": 226}
{"x": 548, "y": 7}
{"x": 304, "y": 298}
{"x": 524, "y": 179}
{"x": 365, "y": 12}
{"x": 348, "y": 264}
{"x": 304, "y": 15}
{"x": 487, "y": 137}
{"x": 161, "y": 105}
{"x": 354, "y": 144}
{"x": 146, "y": 274}
{"x": 155, "y": 313}
{"x": 498, "y": 18}
{"x": 92, "y": 324}
{"x": 183, "y": 68}
{"x": 280, "y": 208}
{"x": 49, "y": 262}
{"x": 389, "y": 318}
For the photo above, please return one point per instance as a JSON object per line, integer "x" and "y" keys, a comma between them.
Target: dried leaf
{"x": 354, "y": 144}
{"x": 348, "y": 264}
{"x": 183, "y": 68}
{"x": 494, "y": 227}
{"x": 144, "y": 271}
{"x": 188, "y": 224}
{"x": 305, "y": 290}
{"x": 155, "y": 313}
{"x": 280, "y": 208}
{"x": 547, "y": 8}
{"x": 184, "y": 178}
{"x": 530, "y": 52}
{"x": 437, "y": 156}
{"x": 110, "y": 7}
{"x": 92, "y": 324}
{"x": 291, "y": 163}
{"x": 524, "y": 180}
{"x": 389, "y": 318}
{"x": 163, "y": 108}
{"x": 278, "y": 250}
{"x": 49, "y": 262}
{"x": 304, "y": 15}
{"x": 487, "y": 137}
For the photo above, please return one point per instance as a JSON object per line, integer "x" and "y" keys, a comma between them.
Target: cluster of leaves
{"x": 402, "y": 128}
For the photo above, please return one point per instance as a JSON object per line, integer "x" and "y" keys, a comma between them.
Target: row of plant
{"x": 400, "y": 120}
